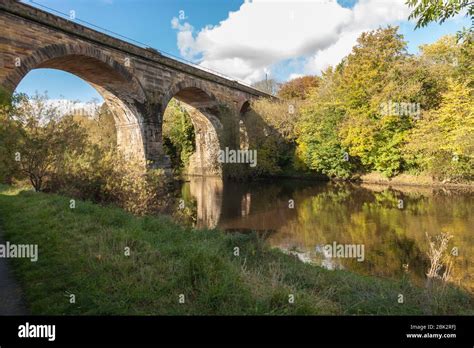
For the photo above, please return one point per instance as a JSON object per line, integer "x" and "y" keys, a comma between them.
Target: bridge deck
{"x": 58, "y": 23}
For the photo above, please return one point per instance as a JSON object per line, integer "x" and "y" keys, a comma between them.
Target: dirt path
{"x": 11, "y": 298}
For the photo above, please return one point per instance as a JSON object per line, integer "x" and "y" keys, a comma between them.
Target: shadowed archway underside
{"x": 204, "y": 112}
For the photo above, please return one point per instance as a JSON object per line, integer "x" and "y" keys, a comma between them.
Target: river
{"x": 391, "y": 226}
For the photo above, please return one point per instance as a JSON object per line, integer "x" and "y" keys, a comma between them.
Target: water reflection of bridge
{"x": 242, "y": 209}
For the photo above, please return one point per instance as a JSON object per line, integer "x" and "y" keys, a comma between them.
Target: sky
{"x": 244, "y": 39}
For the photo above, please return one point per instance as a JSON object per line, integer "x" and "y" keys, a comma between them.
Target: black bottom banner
{"x": 326, "y": 330}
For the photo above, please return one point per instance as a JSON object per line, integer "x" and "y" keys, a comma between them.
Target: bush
{"x": 103, "y": 176}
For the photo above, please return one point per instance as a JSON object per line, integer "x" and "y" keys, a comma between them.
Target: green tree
{"x": 9, "y": 138}
{"x": 178, "y": 135}
{"x": 426, "y": 11}
{"x": 370, "y": 76}
{"x": 319, "y": 144}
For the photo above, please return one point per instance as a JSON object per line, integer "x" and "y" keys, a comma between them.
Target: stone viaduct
{"x": 136, "y": 83}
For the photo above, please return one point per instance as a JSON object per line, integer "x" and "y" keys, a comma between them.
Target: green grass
{"x": 81, "y": 252}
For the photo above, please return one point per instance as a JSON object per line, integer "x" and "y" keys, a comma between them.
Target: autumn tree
{"x": 345, "y": 114}
{"x": 99, "y": 126}
{"x": 442, "y": 143}
{"x": 298, "y": 88}
{"x": 45, "y": 138}
{"x": 366, "y": 81}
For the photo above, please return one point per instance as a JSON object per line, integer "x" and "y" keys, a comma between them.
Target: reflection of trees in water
{"x": 185, "y": 206}
{"x": 392, "y": 236}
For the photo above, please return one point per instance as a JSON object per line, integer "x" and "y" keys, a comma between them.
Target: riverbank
{"x": 412, "y": 180}
{"x": 377, "y": 178}
{"x": 116, "y": 263}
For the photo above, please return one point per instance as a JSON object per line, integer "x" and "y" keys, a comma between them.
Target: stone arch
{"x": 203, "y": 108}
{"x": 121, "y": 91}
{"x": 191, "y": 92}
{"x": 243, "y": 107}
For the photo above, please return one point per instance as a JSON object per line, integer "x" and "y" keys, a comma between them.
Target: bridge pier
{"x": 208, "y": 134}
{"x": 142, "y": 138}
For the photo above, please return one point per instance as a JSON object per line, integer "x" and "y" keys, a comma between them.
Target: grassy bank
{"x": 81, "y": 252}
{"x": 377, "y": 178}
{"x": 413, "y": 180}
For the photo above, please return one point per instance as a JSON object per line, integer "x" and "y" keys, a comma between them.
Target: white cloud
{"x": 333, "y": 54}
{"x": 366, "y": 15}
{"x": 66, "y": 107}
{"x": 294, "y": 76}
{"x": 264, "y": 32}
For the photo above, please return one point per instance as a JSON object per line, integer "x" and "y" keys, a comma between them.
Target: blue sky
{"x": 250, "y": 43}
